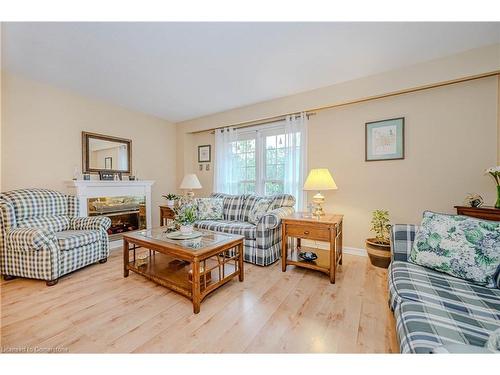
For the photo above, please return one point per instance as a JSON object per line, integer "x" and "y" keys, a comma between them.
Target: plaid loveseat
{"x": 262, "y": 243}
{"x": 42, "y": 236}
{"x": 433, "y": 309}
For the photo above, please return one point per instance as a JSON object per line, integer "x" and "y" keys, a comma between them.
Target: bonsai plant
{"x": 381, "y": 226}
{"x": 185, "y": 216}
{"x": 378, "y": 248}
{"x": 170, "y": 198}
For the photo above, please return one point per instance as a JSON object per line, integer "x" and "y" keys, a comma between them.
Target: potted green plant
{"x": 185, "y": 216}
{"x": 170, "y": 199}
{"x": 495, "y": 173}
{"x": 378, "y": 248}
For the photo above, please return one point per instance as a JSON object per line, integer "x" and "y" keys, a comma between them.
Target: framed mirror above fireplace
{"x": 106, "y": 153}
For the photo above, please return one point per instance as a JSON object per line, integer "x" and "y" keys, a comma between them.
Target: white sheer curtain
{"x": 225, "y": 176}
{"x": 296, "y": 158}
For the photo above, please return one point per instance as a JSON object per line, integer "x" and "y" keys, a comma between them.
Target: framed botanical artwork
{"x": 204, "y": 154}
{"x": 385, "y": 140}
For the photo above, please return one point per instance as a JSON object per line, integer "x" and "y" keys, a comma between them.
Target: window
{"x": 274, "y": 164}
{"x": 244, "y": 153}
{"x": 260, "y": 161}
{"x": 264, "y": 160}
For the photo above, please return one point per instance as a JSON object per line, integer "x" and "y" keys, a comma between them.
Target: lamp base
{"x": 189, "y": 197}
{"x": 318, "y": 199}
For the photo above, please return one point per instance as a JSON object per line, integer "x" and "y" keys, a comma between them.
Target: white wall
{"x": 498, "y": 120}
{"x": 451, "y": 137}
{"x": 42, "y": 142}
{"x": 449, "y": 141}
{"x": 206, "y": 177}
{"x": 1, "y": 107}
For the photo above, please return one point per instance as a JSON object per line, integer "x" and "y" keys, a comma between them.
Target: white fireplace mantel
{"x": 85, "y": 189}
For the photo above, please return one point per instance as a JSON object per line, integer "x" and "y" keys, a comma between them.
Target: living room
{"x": 263, "y": 193}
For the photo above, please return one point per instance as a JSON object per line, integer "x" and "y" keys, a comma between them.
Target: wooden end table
{"x": 193, "y": 268}
{"x": 327, "y": 228}
{"x": 166, "y": 213}
{"x": 483, "y": 212}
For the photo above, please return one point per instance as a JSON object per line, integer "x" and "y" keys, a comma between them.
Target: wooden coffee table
{"x": 193, "y": 268}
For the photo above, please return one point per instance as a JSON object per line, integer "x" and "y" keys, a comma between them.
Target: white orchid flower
{"x": 495, "y": 173}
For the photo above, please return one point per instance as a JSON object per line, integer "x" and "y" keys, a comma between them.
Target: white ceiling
{"x": 179, "y": 71}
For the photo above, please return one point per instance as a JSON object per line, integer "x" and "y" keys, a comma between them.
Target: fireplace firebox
{"x": 127, "y": 213}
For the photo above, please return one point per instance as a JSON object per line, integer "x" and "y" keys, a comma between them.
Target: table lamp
{"x": 319, "y": 179}
{"x": 189, "y": 183}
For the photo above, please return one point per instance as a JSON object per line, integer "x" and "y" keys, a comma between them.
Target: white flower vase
{"x": 186, "y": 229}
{"x": 170, "y": 202}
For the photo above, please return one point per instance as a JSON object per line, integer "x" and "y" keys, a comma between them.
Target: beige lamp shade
{"x": 320, "y": 179}
{"x": 190, "y": 182}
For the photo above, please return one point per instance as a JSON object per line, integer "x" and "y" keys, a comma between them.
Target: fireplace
{"x": 127, "y": 213}
{"x": 126, "y": 203}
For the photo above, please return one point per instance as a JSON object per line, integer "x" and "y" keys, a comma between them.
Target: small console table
{"x": 483, "y": 212}
{"x": 327, "y": 228}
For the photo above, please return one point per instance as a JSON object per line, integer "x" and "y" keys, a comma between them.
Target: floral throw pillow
{"x": 259, "y": 209}
{"x": 210, "y": 208}
{"x": 460, "y": 246}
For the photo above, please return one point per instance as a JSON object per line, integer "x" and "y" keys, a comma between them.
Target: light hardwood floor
{"x": 96, "y": 310}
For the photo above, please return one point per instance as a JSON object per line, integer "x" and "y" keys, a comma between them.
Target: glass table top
{"x": 208, "y": 238}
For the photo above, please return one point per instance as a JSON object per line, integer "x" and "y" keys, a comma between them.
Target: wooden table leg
{"x": 196, "y": 286}
{"x": 284, "y": 249}
{"x": 333, "y": 254}
{"x": 240, "y": 262}
{"x": 125, "y": 258}
{"x": 339, "y": 244}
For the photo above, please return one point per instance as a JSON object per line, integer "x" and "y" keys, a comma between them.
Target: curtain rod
{"x": 249, "y": 124}
{"x": 311, "y": 112}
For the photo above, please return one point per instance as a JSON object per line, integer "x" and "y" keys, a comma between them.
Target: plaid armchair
{"x": 41, "y": 236}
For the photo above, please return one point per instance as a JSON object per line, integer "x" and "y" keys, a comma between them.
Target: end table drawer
{"x": 308, "y": 232}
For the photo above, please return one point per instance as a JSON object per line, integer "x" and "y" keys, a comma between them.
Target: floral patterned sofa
{"x": 41, "y": 236}
{"x": 435, "y": 311}
{"x": 262, "y": 234}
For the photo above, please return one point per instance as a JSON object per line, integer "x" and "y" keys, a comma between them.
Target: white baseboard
{"x": 326, "y": 246}
{"x": 355, "y": 251}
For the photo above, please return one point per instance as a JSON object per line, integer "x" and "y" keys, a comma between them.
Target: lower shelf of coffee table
{"x": 174, "y": 274}
{"x": 321, "y": 264}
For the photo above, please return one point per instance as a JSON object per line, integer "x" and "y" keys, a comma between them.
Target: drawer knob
{"x": 306, "y": 232}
